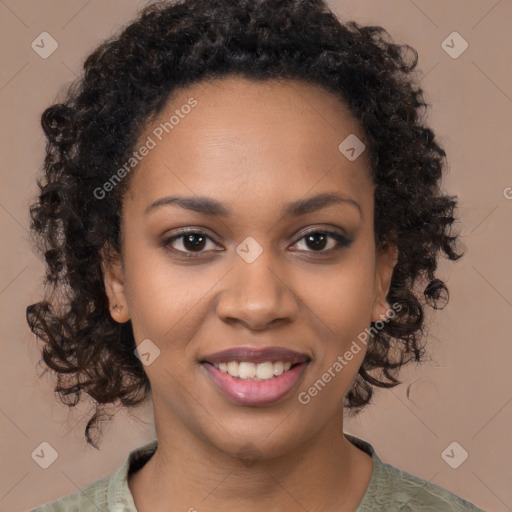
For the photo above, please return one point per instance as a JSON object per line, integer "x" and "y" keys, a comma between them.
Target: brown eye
{"x": 188, "y": 242}
{"x": 318, "y": 240}
{"x": 194, "y": 242}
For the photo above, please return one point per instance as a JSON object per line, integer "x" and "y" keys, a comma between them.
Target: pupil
{"x": 322, "y": 243}
{"x": 188, "y": 240}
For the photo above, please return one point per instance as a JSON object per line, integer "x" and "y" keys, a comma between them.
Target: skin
{"x": 254, "y": 147}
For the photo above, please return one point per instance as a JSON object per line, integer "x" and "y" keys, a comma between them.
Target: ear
{"x": 387, "y": 256}
{"x": 113, "y": 279}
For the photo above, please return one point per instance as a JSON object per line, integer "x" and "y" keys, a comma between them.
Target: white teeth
{"x": 247, "y": 370}
{"x": 233, "y": 368}
{"x": 278, "y": 368}
{"x": 262, "y": 371}
{"x": 265, "y": 371}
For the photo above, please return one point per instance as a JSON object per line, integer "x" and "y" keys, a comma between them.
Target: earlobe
{"x": 119, "y": 314}
{"x": 387, "y": 258}
{"x": 113, "y": 279}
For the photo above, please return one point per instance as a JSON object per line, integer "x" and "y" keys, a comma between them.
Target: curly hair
{"x": 128, "y": 79}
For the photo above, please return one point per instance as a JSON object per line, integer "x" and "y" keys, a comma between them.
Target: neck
{"x": 325, "y": 472}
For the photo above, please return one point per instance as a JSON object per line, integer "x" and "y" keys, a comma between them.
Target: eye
{"x": 190, "y": 241}
{"x": 318, "y": 240}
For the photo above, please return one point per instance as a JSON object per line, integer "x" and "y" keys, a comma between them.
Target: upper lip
{"x": 256, "y": 355}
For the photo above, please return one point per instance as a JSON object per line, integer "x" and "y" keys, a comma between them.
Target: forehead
{"x": 239, "y": 141}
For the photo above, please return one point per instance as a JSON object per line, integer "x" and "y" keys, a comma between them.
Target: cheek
{"x": 165, "y": 300}
{"x": 343, "y": 297}
{"x": 343, "y": 300}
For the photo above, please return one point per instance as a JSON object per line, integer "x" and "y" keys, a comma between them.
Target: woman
{"x": 239, "y": 208}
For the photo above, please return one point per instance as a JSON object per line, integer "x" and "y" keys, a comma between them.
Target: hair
{"x": 128, "y": 78}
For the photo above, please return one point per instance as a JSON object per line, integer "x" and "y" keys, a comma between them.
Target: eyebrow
{"x": 213, "y": 208}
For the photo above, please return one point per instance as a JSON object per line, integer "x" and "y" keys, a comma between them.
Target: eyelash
{"x": 341, "y": 240}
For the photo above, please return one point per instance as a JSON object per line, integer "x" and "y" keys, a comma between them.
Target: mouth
{"x": 249, "y": 376}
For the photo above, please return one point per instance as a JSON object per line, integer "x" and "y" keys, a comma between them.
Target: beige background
{"x": 464, "y": 395}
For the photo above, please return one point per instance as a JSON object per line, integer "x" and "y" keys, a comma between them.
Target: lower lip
{"x": 256, "y": 392}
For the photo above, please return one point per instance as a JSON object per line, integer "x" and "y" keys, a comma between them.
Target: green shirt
{"x": 390, "y": 489}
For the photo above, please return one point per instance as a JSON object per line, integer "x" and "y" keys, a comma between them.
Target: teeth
{"x": 247, "y": 370}
{"x": 263, "y": 371}
{"x": 233, "y": 368}
{"x": 278, "y": 368}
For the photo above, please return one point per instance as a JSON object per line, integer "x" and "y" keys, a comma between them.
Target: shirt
{"x": 389, "y": 490}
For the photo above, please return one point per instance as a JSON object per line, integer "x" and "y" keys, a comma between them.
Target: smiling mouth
{"x": 255, "y": 391}
{"x": 255, "y": 376}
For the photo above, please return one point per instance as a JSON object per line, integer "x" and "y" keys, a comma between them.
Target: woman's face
{"x": 247, "y": 159}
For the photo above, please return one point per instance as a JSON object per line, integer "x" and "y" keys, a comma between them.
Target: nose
{"x": 257, "y": 294}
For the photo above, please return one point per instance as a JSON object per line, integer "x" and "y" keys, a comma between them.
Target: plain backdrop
{"x": 464, "y": 395}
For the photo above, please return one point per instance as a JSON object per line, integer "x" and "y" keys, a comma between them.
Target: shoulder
{"x": 110, "y": 493}
{"x": 391, "y": 489}
{"x": 93, "y": 497}
{"x": 414, "y": 494}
